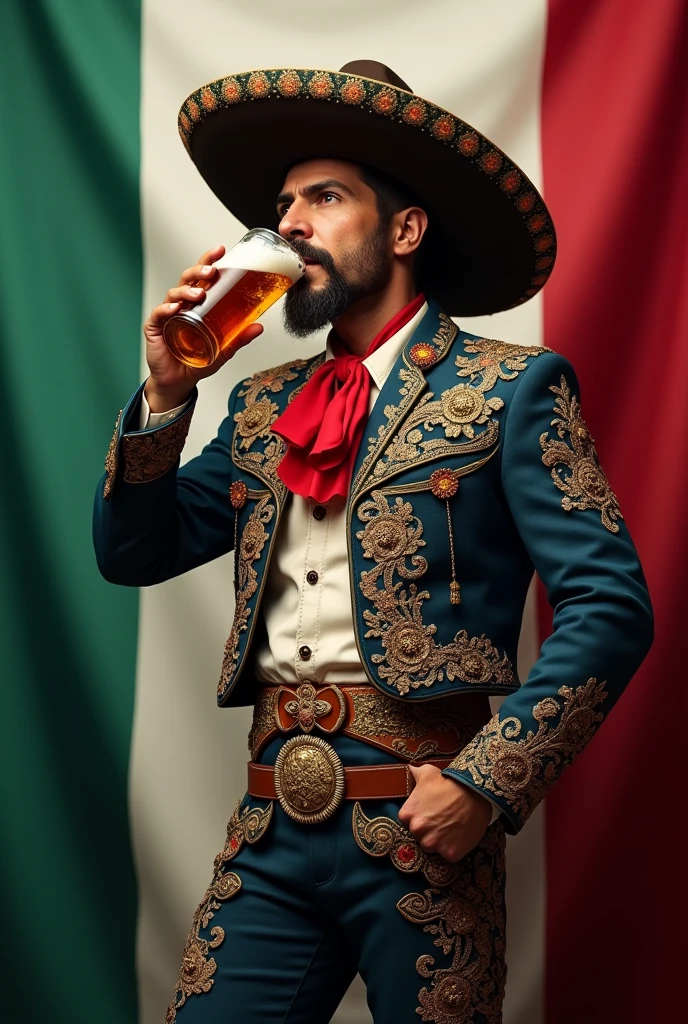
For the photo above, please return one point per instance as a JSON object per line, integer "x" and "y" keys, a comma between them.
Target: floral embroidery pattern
{"x": 468, "y": 922}
{"x": 495, "y": 360}
{"x": 198, "y": 966}
{"x": 386, "y": 101}
{"x": 253, "y": 424}
{"x": 464, "y": 910}
{"x": 520, "y": 769}
{"x": 148, "y": 456}
{"x": 252, "y": 542}
{"x": 585, "y": 486}
{"x": 412, "y": 658}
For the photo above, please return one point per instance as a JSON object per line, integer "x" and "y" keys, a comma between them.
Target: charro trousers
{"x": 293, "y": 911}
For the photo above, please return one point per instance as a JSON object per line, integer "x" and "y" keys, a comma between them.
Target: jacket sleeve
{"x": 570, "y": 523}
{"x": 153, "y": 520}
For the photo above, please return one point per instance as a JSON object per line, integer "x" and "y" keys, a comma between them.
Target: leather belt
{"x": 412, "y": 731}
{"x": 310, "y": 782}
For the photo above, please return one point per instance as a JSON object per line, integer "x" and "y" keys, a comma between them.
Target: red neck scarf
{"x": 324, "y": 425}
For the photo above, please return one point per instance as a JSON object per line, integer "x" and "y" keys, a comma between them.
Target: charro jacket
{"x": 476, "y": 468}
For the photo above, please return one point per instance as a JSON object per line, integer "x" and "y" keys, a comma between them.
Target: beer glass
{"x": 251, "y": 276}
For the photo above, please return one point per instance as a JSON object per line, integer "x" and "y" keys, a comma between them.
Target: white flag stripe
{"x": 484, "y": 63}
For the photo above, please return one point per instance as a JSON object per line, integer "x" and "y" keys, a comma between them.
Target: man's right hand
{"x": 170, "y": 382}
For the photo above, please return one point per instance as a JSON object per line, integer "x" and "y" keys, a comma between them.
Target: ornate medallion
{"x": 309, "y": 779}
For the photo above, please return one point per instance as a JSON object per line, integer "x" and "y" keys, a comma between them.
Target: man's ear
{"x": 409, "y": 227}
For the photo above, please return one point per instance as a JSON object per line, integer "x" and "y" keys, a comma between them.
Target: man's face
{"x": 330, "y": 216}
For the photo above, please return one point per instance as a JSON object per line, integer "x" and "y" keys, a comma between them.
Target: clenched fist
{"x": 171, "y": 382}
{"x": 445, "y": 816}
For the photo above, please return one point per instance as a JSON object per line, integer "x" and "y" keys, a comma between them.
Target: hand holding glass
{"x": 255, "y": 272}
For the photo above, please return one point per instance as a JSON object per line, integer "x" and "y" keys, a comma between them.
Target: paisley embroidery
{"x": 492, "y": 360}
{"x": 520, "y": 769}
{"x": 392, "y": 536}
{"x": 252, "y": 542}
{"x": 198, "y": 966}
{"x": 256, "y": 449}
{"x": 585, "y": 486}
{"x": 382, "y": 837}
{"x": 464, "y": 909}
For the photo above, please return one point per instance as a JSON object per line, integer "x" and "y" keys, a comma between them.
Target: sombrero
{"x": 492, "y": 243}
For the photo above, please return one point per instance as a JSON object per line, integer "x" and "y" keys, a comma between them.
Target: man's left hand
{"x": 445, "y": 816}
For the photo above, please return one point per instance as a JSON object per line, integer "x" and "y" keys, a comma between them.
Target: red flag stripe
{"x": 615, "y": 153}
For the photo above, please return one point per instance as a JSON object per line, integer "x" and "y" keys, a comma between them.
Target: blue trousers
{"x": 293, "y": 911}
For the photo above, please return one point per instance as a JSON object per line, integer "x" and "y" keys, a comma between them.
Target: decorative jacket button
{"x": 319, "y": 512}
{"x": 312, "y": 577}
{"x": 304, "y": 653}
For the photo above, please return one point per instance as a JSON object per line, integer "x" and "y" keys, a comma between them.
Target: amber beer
{"x": 251, "y": 276}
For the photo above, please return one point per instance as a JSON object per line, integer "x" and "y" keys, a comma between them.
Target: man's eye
{"x": 282, "y": 212}
{"x": 328, "y": 195}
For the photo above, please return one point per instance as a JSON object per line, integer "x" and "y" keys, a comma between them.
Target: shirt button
{"x": 312, "y": 577}
{"x": 319, "y": 512}
{"x": 304, "y": 653}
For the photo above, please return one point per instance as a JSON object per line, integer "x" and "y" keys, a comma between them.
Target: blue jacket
{"x": 476, "y": 468}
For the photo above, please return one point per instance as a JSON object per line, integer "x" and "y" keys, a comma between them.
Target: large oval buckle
{"x": 309, "y": 779}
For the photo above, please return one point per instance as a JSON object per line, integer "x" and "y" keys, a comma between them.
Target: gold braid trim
{"x": 520, "y": 769}
{"x": 111, "y": 462}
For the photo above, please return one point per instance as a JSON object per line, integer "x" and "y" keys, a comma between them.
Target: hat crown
{"x": 374, "y": 69}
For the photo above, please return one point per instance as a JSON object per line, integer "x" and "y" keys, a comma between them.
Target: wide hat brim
{"x": 492, "y": 243}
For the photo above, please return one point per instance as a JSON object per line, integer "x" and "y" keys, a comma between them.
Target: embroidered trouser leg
{"x": 294, "y": 910}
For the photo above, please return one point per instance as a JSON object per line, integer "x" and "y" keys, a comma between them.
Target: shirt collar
{"x": 380, "y": 363}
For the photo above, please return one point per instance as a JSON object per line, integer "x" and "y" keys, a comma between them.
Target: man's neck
{"x": 359, "y": 325}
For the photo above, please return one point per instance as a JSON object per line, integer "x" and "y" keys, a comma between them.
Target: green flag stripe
{"x": 70, "y": 253}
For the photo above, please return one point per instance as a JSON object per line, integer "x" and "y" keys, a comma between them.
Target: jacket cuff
{"x": 141, "y": 456}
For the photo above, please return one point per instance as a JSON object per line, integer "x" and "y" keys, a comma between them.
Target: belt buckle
{"x": 309, "y": 779}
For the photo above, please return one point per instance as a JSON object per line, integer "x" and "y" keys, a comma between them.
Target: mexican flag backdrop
{"x": 119, "y": 772}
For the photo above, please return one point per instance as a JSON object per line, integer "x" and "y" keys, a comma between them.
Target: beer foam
{"x": 260, "y": 254}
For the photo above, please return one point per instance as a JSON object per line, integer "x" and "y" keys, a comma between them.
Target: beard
{"x": 359, "y": 274}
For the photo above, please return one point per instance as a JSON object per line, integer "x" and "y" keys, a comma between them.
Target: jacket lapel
{"x": 402, "y": 391}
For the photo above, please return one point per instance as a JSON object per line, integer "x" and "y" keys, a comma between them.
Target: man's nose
{"x": 295, "y": 223}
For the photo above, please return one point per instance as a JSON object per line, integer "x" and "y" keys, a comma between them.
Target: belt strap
{"x": 368, "y": 782}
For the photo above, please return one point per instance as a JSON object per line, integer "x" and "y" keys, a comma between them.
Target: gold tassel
{"x": 444, "y": 483}
{"x": 454, "y": 586}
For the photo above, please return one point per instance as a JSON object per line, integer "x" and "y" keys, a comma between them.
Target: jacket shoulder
{"x": 293, "y": 375}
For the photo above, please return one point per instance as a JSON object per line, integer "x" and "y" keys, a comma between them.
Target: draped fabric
{"x": 615, "y": 143}
{"x": 70, "y": 253}
{"x": 118, "y": 772}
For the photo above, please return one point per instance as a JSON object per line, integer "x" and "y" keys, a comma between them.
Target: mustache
{"x": 310, "y": 252}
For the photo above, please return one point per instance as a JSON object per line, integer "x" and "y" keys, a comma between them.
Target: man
{"x": 387, "y": 503}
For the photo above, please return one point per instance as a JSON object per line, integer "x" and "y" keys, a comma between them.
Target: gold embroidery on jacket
{"x": 393, "y": 535}
{"x": 111, "y": 462}
{"x": 492, "y": 360}
{"x": 413, "y": 383}
{"x": 253, "y": 424}
{"x": 198, "y": 966}
{"x": 148, "y": 456}
{"x": 263, "y": 719}
{"x": 520, "y": 769}
{"x": 465, "y": 912}
{"x": 376, "y": 714}
{"x": 585, "y": 486}
{"x": 251, "y": 545}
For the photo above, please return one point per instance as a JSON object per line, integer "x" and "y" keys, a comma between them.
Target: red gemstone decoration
{"x": 193, "y": 108}
{"x": 406, "y": 853}
{"x": 443, "y": 128}
{"x": 543, "y": 242}
{"x": 231, "y": 90}
{"x": 353, "y": 92}
{"x": 511, "y": 181}
{"x": 543, "y": 262}
{"x": 233, "y": 843}
{"x": 321, "y": 87}
{"x": 491, "y": 162}
{"x": 385, "y": 102}
{"x": 289, "y": 84}
{"x": 238, "y": 493}
{"x": 414, "y": 112}
{"x": 258, "y": 85}
{"x": 537, "y": 222}
{"x": 526, "y": 202}
{"x": 208, "y": 98}
{"x": 443, "y": 483}
{"x": 423, "y": 355}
